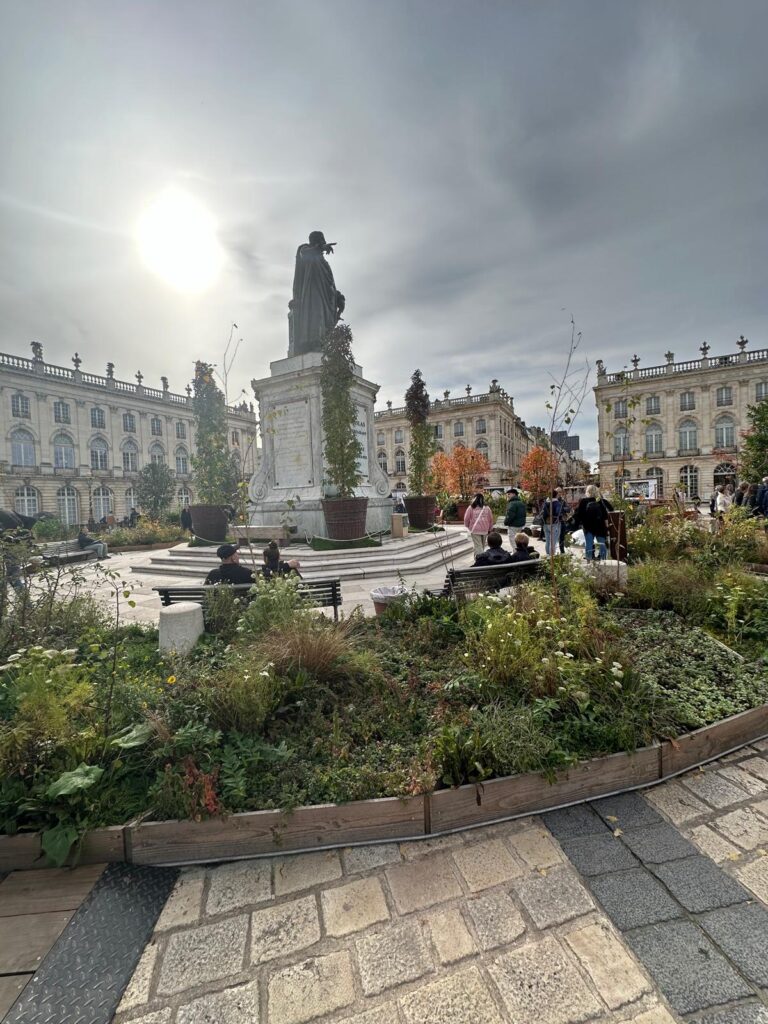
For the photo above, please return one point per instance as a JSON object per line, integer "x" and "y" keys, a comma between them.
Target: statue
{"x": 316, "y": 306}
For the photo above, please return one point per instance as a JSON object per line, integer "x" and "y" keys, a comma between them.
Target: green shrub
{"x": 146, "y": 531}
{"x": 276, "y": 604}
{"x": 680, "y": 586}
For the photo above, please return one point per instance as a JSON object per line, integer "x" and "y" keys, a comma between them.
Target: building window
{"x": 725, "y": 432}
{"x": 97, "y": 419}
{"x": 437, "y": 431}
{"x": 458, "y": 429}
{"x": 25, "y": 501}
{"x": 725, "y": 473}
{"x": 156, "y": 426}
{"x": 620, "y": 409}
{"x": 20, "y": 407}
{"x": 653, "y": 439}
{"x": 61, "y": 412}
{"x": 689, "y": 481}
{"x": 399, "y": 461}
{"x": 689, "y": 436}
{"x": 130, "y": 499}
{"x": 621, "y": 443}
{"x": 157, "y": 455}
{"x": 63, "y": 452}
{"x": 182, "y": 463}
{"x": 399, "y": 435}
{"x": 480, "y": 427}
{"x": 102, "y": 503}
{"x": 99, "y": 454}
{"x": 183, "y": 497}
{"x": 129, "y": 423}
{"x": 482, "y": 447}
{"x": 687, "y": 401}
{"x": 67, "y": 505}
{"x": 381, "y": 458}
{"x": 761, "y": 391}
{"x": 654, "y": 473}
{"x": 380, "y": 441}
{"x": 653, "y": 406}
{"x": 22, "y": 448}
{"x": 724, "y": 396}
{"x": 181, "y": 431}
{"x": 235, "y": 438}
{"x": 130, "y": 458}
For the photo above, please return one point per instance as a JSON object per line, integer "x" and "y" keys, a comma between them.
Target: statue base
{"x": 290, "y": 484}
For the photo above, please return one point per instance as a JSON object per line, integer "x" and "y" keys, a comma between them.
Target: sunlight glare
{"x": 177, "y": 240}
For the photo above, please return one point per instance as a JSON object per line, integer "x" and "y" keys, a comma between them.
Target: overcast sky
{"x": 488, "y": 169}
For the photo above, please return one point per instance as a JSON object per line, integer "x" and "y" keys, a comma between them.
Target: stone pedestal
{"x": 290, "y": 482}
{"x": 180, "y": 626}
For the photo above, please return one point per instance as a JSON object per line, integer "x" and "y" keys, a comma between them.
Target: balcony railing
{"x": 688, "y": 366}
{"x": 685, "y": 452}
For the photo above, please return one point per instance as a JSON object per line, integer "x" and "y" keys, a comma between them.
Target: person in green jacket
{"x": 515, "y": 515}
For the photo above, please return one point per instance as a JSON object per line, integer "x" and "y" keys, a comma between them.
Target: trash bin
{"x": 383, "y": 596}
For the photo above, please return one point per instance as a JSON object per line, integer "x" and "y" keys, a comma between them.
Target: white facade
{"x": 73, "y": 443}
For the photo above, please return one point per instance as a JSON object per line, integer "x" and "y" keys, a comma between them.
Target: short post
{"x": 399, "y": 526}
{"x": 180, "y": 626}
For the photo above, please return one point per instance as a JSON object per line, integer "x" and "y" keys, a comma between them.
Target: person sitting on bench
{"x": 88, "y": 543}
{"x": 522, "y": 552}
{"x": 494, "y": 554}
{"x": 230, "y": 570}
{"x": 274, "y": 565}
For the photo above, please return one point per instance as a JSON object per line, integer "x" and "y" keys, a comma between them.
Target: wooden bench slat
{"x": 322, "y": 593}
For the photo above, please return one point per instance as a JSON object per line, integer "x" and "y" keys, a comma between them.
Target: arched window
{"x": 725, "y": 432}
{"x": 653, "y": 439}
{"x": 381, "y": 458}
{"x": 156, "y": 426}
{"x": 621, "y": 442}
{"x": 439, "y": 448}
{"x": 399, "y": 435}
{"x": 183, "y": 497}
{"x": 68, "y": 505}
{"x": 480, "y": 427}
{"x": 654, "y": 473}
{"x": 689, "y": 436}
{"x": 458, "y": 444}
{"x": 63, "y": 452}
{"x": 380, "y": 441}
{"x": 182, "y": 461}
{"x": 482, "y": 447}
{"x": 130, "y": 457}
{"x": 689, "y": 481}
{"x": 22, "y": 448}
{"x": 157, "y": 455}
{"x": 102, "y": 503}
{"x": 725, "y": 473}
{"x": 26, "y": 501}
{"x": 99, "y": 454}
{"x": 399, "y": 461}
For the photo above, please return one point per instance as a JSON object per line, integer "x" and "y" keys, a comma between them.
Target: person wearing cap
{"x": 230, "y": 570}
{"x": 514, "y": 518}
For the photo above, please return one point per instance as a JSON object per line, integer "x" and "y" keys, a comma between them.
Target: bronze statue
{"x": 316, "y": 306}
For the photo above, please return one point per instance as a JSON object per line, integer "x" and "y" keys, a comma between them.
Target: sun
{"x": 177, "y": 240}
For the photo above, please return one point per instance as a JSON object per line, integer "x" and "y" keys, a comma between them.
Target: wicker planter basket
{"x": 345, "y": 517}
{"x": 421, "y": 511}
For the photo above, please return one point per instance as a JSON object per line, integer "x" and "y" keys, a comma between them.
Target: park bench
{"x": 66, "y": 551}
{"x": 320, "y": 593}
{"x": 480, "y": 579}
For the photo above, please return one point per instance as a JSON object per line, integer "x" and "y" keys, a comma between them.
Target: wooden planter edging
{"x": 260, "y": 833}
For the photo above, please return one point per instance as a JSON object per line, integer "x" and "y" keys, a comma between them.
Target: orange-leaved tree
{"x": 538, "y": 472}
{"x": 460, "y": 470}
{"x": 440, "y": 472}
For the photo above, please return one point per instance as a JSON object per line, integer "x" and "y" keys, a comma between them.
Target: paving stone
{"x": 486, "y": 864}
{"x": 744, "y": 827}
{"x": 656, "y": 1015}
{"x": 285, "y": 928}
{"x": 310, "y": 989}
{"x": 688, "y": 969}
{"x": 392, "y": 956}
{"x": 655, "y": 844}
{"x": 451, "y": 937}
{"x": 742, "y": 932}
{"x": 616, "y": 976}
{"x": 761, "y": 745}
{"x": 137, "y": 992}
{"x": 386, "y": 1014}
{"x": 597, "y": 855}
{"x": 461, "y": 998}
{"x": 232, "y": 1006}
{"x": 712, "y": 787}
{"x": 305, "y": 870}
{"x": 677, "y": 802}
{"x": 634, "y": 898}
{"x": 238, "y": 885}
{"x": 540, "y": 985}
{"x": 553, "y": 898}
{"x": 350, "y": 908}
{"x": 757, "y": 766}
{"x": 713, "y": 845}
{"x": 626, "y": 810}
{"x": 422, "y": 883}
{"x": 535, "y": 848}
{"x": 755, "y": 877}
{"x": 184, "y": 903}
{"x": 699, "y": 884}
{"x": 365, "y": 858}
{"x": 496, "y": 919}
{"x": 422, "y": 847}
{"x": 158, "y": 1017}
{"x": 736, "y": 774}
{"x": 745, "y": 1013}
{"x": 569, "y": 822}
{"x": 201, "y": 954}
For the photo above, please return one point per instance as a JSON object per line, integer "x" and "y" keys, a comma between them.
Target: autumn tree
{"x": 538, "y": 472}
{"x": 461, "y": 471}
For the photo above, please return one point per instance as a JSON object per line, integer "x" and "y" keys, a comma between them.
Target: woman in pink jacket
{"x": 478, "y": 519}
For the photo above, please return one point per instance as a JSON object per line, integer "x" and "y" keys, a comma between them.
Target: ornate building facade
{"x": 680, "y": 423}
{"x": 73, "y": 443}
{"x": 487, "y": 422}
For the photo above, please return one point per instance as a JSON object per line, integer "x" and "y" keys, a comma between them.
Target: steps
{"x": 412, "y": 556}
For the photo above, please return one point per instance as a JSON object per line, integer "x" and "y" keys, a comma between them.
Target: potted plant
{"x": 344, "y": 513}
{"x": 213, "y": 470}
{"x": 419, "y": 503}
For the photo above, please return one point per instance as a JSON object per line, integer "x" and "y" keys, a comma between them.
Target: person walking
{"x": 565, "y": 514}
{"x": 592, "y": 516}
{"x": 478, "y": 519}
{"x": 741, "y": 493}
{"x": 762, "y": 497}
{"x": 550, "y": 517}
{"x": 185, "y": 518}
{"x": 514, "y": 518}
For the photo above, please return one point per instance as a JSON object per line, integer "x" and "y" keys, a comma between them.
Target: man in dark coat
{"x": 514, "y": 518}
{"x": 230, "y": 570}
